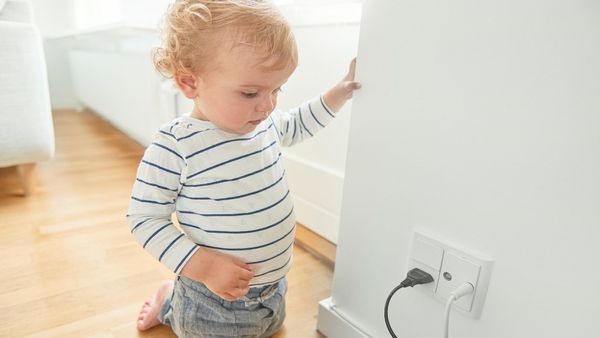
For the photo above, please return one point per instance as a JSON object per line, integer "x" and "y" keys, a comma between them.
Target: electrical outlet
{"x": 456, "y": 271}
{"x": 427, "y": 256}
{"x": 451, "y": 267}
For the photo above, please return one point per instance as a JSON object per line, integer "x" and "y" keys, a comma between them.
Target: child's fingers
{"x": 246, "y": 275}
{"x": 242, "y": 265}
{"x": 352, "y": 85}
{"x": 244, "y": 291}
{"x": 351, "y": 71}
{"x": 238, "y": 292}
{"x": 229, "y": 296}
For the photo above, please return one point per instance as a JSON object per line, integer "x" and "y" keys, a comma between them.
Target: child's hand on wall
{"x": 226, "y": 276}
{"x": 337, "y": 96}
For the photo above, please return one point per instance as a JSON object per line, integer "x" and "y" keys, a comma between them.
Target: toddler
{"x": 220, "y": 170}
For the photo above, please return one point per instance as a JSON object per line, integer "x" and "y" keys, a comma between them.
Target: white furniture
{"x": 26, "y": 130}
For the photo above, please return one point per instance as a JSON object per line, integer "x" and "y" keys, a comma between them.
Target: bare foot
{"x": 148, "y": 317}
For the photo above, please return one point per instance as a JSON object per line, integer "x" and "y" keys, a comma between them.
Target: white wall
{"x": 136, "y": 13}
{"x": 144, "y": 13}
{"x": 478, "y": 122}
{"x": 52, "y": 18}
{"x": 61, "y": 21}
{"x": 62, "y": 93}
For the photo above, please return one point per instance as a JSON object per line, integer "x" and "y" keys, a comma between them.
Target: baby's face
{"x": 238, "y": 93}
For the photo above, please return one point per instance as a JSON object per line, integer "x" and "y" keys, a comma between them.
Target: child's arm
{"x": 304, "y": 121}
{"x": 337, "y": 96}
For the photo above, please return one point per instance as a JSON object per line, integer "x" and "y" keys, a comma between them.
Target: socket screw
{"x": 447, "y": 276}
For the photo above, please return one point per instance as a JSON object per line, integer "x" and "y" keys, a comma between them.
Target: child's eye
{"x": 249, "y": 95}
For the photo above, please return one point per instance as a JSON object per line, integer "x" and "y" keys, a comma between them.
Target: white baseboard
{"x": 317, "y": 194}
{"x": 317, "y": 219}
{"x": 332, "y": 325}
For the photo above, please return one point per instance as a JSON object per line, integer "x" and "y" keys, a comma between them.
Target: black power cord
{"x": 414, "y": 277}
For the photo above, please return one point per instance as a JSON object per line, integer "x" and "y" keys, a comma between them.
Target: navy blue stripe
{"x": 254, "y": 192}
{"x": 274, "y": 126}
{"x": 270, "y": 258}
{"x": 169, "y": 246}
{"x": 155, "y": 185}
{"x": 228, "y": 141}
{"x": 249, "y": 248}
{"x": 195, "y": 198}
{"x": 235, "y": 197}
{"x": 287, "y": 126}
{"x": 233, "y": 159}
{"x": 168, "y": 149}
{"x": 265, "y": 283}
{"x": 313, "y": 115}
{"x": 150, "y": 201}
{"x": 324, "y": 106}
{"x": 156, "y": 232}
{"x": 168, "y": 134}
{"x": 241, "y": 231}
{"x": 173, "y": 125}
{"x": 161, "y": 168}
{"x": 238, "y": 214}
{"x": 277, "y": 269}
{"x": 184, "y": 258}
{"x": 194, "y": 133}
{"x": 303, "y": 125}
{"x": 140, "y": 223}
{"x": 294, "y": 134}
{"x": 236, "y": 178}
{"x": 192, "y": 226}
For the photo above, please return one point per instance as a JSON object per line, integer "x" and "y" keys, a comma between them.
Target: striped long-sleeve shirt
{"x": 229, "y": 191}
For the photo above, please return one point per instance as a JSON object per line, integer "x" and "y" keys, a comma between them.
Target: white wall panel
{"x": 477, "y": 121}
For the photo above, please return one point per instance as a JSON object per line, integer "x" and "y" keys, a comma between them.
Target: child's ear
{"x": 187, "y": 84}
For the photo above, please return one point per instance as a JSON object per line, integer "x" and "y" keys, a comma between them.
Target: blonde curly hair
{"x": 195, "y": 30}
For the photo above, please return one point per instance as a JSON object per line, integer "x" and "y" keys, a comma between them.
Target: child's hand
{"x": 342, "y": 92}
{"x": 226, "y": 276}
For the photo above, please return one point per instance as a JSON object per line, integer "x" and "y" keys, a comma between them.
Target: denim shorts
{"x": 195, "y": 311}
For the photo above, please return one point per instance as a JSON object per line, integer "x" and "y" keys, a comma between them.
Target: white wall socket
{"x": 450, "y": 268}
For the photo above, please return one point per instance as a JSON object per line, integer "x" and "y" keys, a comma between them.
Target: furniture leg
{"x": 27, "y": 177}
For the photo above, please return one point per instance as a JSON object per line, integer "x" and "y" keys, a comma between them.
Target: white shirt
{"x": 229, "y": 191}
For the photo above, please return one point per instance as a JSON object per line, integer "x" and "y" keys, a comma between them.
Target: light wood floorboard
{"x": 69, "y": 266}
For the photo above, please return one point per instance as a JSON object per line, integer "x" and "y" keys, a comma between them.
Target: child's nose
{"x": 268, "y": 104}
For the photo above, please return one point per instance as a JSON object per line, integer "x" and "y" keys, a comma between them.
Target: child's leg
{"x": 279, "y": 309}
{"x": 198, "y": 312}
{"x": 149, "y": 312}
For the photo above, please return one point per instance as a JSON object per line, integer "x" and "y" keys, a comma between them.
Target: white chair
{"x": 26, "y": 130}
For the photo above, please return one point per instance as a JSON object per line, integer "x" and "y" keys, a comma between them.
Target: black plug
{"x": 416, "y": 276}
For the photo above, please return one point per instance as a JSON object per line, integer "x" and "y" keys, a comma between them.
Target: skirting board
{"x": 332, "y": 325}
{"x": 315, "y": 218}
{"x": 317, "y": 194}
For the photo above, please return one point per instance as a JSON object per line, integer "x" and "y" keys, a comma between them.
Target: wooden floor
{"x": 69, "y": 266}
